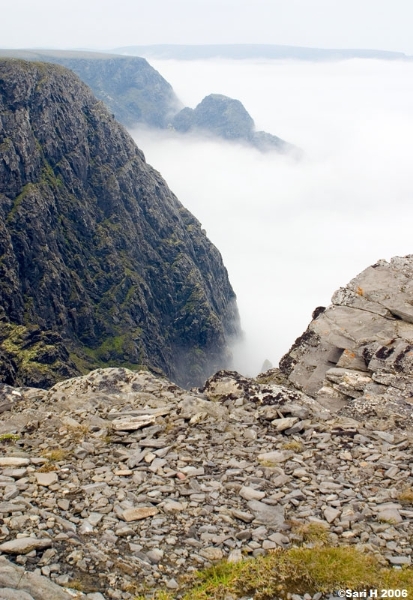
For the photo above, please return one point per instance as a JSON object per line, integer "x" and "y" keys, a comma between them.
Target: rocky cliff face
{"x": 357, "y": 354}
{"x": 98, "y": 259}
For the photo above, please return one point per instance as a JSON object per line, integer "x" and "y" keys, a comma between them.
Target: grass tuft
{"x": 406, "y": 496}
{"x": 314, "y": 533}
{"x": 294, "y": 445}
{"x": 9, "y": 437}
{"x": 293, "y": 571}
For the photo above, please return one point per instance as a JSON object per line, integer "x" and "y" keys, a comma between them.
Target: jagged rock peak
{"x": 227, "y": 118}
{"x": 100, "y": 263}
{"x": 357, "y": 355}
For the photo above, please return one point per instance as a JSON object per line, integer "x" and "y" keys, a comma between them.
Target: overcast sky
{"x": 104, "y": 24}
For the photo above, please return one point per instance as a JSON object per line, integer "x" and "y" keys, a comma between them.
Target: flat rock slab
{"x": 36, "y": 586}
{"x": 390, "y": 515}
{"x": 267, "y": 514}
{"x": 285, "y": 423}
{"x": 242, "y": 516}
{"x": 24, "y": 545}
{"x": 137, "y": 514}
{"x": 173, "y": 507}
{"x": 273, "y": 457}
{"x": 10, "y": 594}
{"x": 249, "y": 493}
{"x": 211, "y": 553}
{"x": 133, "y": 423}
{"x": 9, "y": 507}
{"x": 13, "y": 461}
{"x": 46, "y": 479}
{"x": 330, "y": 514}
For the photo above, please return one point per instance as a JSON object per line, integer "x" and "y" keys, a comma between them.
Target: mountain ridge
{"x": 137, "y": 94}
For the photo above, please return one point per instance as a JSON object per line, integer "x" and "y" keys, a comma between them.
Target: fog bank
{"x": 292, "y": 232}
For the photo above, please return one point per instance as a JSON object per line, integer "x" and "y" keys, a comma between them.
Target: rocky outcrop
{"x": 99, "y": 262}
{"x": 227, "y": 118}
{"x": 357, "y": 355}
{"x": 130, "y": 88}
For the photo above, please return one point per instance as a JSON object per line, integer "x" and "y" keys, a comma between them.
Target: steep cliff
{"x": 99, "y": 262}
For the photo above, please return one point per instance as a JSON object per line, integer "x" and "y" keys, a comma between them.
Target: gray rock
{"x": 46, "y": 479}
{"x": 40, "y": 588}
{"x": 24, "y": 545}
{"x": 266, "y": 514}
{"x": 9, "y": 594}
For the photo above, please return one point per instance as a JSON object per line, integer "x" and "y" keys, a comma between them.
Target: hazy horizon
{"x": 292, "y": 232}
{"x": 105, "y": 24}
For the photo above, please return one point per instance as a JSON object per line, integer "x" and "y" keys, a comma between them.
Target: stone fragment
{"x": 172, "y": 584}
{"x": 267, "y": 514}
{"x": 155, "y": 556}
{"x": 37, "y": 586}
{"x": 399, "y": 560}
{"x": 275, "y": 457}
{"x": 86, "y": 527}
{"x": 242, "y": 516}
{"x": 330, "y": 514}
{"x": 390, "y": 515}
{"x": 173, "y": 507}
{"x": 235, "y": 556}
{"x": 137, "y": 514}
{"x": 132, "y": 423}
{"x": 192, "y": 406}
{"x": 249, "y": 493}
{"x": 9, "y": 594}
{"x": 13, "y": 461}
{"x": 285, "y": 423}
{"x": 46, "y": 479}
{"x": 385, "y": 435}
{"x": 94, "y": 518}
{"x": 24, "y": 545}
{"x": 211, "y": 553}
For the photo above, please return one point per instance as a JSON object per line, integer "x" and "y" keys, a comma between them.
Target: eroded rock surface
{"x": 357, "y": 355}
{"x": 234, "y": 469}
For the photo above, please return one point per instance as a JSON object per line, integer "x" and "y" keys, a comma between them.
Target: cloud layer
{"x": 292, "y": 232}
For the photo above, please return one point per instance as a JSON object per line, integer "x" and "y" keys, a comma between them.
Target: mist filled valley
{"x": 135, "y": 462}
{"x": 292, "y": 231}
